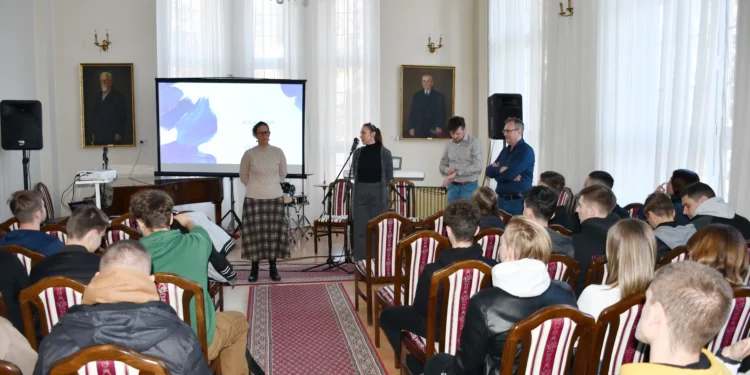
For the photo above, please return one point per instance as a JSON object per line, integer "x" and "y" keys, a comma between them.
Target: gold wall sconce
{"x": 104, "y": 45}
{"x": 431, "y": 46}
{"x": 566, "y": 12}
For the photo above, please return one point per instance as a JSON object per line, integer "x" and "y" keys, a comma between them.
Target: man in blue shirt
{"x": 513, "y": 169}
{"x": 27, "y": 206}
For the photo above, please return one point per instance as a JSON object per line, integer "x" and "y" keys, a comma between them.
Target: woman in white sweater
{"x": 631, "y": 257}
{"x": 264, "y": 226}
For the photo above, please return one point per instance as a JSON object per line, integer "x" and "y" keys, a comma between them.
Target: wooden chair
{"x": 56, "y": 230}
{"x": 489, "y": 239}
{"x": 505, "y": 216}
{"x": 110, "y": 360}
{"x": 573, "y": 204}
{"x": 678, "y": 254}
{"x": 379, "y": 265}
{"x": 27, "y": 257}
{"x": 412, "y": 254}
{"x": 118, "y": 232}
{"x": 9, "y": 225}
{"x": 564, "y": 268}
{"x": 547, "y": 339}
{"x": 566, "y": 199}
{"x": 51, "y": 297}
{"x": 3, "y": 309}
{"x": 561, "y": 229}
{"x": 614, "y": 336}
{"x": 634, "y": 209}
{"x": 49, "y": 206}
{"x": 338, "y": 206}
{"x": 126, "y": 220}
{"x": 736, "y": 327}
{"x": 435, "y": 223}
{"x": 402, "y": 199}
{"x": 597, "y": 272}
{"x": 216, "y": 292}
{"x": 459, "y": 282}
{"x": 8, "y": 368}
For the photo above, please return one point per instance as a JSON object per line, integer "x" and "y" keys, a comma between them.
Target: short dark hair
{"x": 455, "y": 122}
{"x": 84, "y": 219}
{"x": 542, "y": 201}
{"x": 486, "y": 200}
{"x": 659, "y": 204}
{"x": 258, "y": 125}
{"x": 24, "y": 204}
{"x": 696, "y": 190}
{"x": 153, "y": 207}
{"x": 129, "y": 254}
{"x": 601, "y": 196}
{"x": 553, "y": 180}
{"x": 602, "y": 178}
{"x": 682, "y": 178}
{"x": 462, "y": 216}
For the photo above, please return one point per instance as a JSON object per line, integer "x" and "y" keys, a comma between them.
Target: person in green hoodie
{"x": 187, "y": 255}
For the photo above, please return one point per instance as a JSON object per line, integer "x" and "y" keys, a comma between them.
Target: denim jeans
{"x": 456, "y": 192}
{"x": 511, "y": 206}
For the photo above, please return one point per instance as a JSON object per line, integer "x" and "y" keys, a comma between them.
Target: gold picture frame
{"x": 425, "y": 115}
{"x": 107, "y": 120}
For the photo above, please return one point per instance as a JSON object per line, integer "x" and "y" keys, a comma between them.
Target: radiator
{"x": 428, "y": 200}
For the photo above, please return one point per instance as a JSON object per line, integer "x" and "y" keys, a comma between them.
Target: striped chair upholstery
{"x": 564, "y": 268}
{"x": 46, "y": 198}
{"x": 126, "y": 220}
{"x": 51, "y": 297}
{"x": 108, "y": 360}
{"x": 573, "y": 204}
{"x": 9, "y": 225}
{"x": 597, "y": 272}
{"x": 459, "y": 282}
{"x": 118, "y": 232}
{"x": 402, "y": 198}
{"x": 55, "y": 230}
{"x": 614, "y": 335}
{"x": 385, "y": 231}
{"x": 177, "y": 291}
{"x": 489, "y": 239}
{"x": 337, "y": 205}
{"x": 27, "y": 257}
{"x": 736, "y": 326}
{"x": 565, "y": 198}
{"x": 547, "y": 340}
{"x": 435, "y": 222}
{"x": 634, "y": 210}
{"x": 678, "y": 254}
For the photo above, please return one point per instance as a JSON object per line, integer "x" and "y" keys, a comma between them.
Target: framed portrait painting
{"x": 427, "y": 100}
{"x": 107, "y": 105}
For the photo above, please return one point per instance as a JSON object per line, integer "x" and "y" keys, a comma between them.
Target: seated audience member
{"x": 703, "y": 207}
{"x": 187, "y": 255}
{"x": 660, "y": 215}
{"x": 631, "y": 250}
{"x": 539, "y": 205}
{"x": 76, "y": 260}
{"x": 679, "y": 180}
{"x": 722, "y": 248}
{"x": 606, "y": 179}
{"x": 13, "y": 279}
{"x": 556, "y": 182}
{"x": 686, "y": 305}
{"x": 595, "y": 206}
{"x": 486, "y": 200}
{"x": 15, "y": 349}
{"x": 27, "y": 206}
{"x": 462, "y": 222}
{"x": 121, "y": 306}
{"x": 521, "y": 287}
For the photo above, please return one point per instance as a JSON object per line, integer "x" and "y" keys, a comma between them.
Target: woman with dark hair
{"x": 486, "y": 199}
{"x": 722, "y": 248}
{"x": 264, "y": 226}
{"x": 372, "y": 170}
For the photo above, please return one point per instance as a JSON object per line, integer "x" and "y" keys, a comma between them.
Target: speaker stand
{"x": 26, "y": 175}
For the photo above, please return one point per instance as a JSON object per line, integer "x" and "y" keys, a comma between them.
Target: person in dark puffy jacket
{"x": 121, "y": 306}
{"x": 521, "y": 287}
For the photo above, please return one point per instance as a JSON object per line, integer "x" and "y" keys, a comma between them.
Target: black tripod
{"x": 235, "y": 223}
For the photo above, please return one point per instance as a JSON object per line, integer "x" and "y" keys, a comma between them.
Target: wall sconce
{"x": 566, "y": 12}
{"x": 104, "y": 45}
{"x": 431, "y": 46}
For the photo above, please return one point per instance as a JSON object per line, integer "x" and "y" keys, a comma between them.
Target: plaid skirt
{"x": 265, "y": 233}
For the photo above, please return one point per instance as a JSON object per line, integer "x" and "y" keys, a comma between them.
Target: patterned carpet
{"x": 292, "y": 274}
{"x": 309, "y": 329}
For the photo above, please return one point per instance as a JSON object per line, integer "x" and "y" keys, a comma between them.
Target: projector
{"x": 97, "y": 175}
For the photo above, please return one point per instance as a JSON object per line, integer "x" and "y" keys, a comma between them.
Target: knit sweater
{"x": 267, "y": 167}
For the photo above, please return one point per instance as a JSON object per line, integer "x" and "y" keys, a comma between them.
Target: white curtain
{"x": 739, "y": 105}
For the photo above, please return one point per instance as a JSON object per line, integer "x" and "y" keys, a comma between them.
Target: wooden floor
{"x": 302, "y": 252}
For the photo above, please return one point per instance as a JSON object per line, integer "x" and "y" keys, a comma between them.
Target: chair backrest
{"x": 614, "y": 336}
{"x": 27, "y": 257}
{"x": 10, "y": 225}
{"x": 338, "y": 202}
{"x": 678, "y": 254}
{"x": 385, "y": 231}
{"x": 489, "y": 239}
{"x": 46, "y": 199}
{"x": 561, "y": 229}
{"x": 565, "y": 198}
{"x": 402, "y": 197}
{"x": 459, "y": 281}
{"x": 634, "y": 210}
{"x": 177, "y": 291}
{"x": 56, "y": 230}
{"x": 573, "y": 204}
{"x": 3, "y": 309}
{"x": 597, "y": 272}
{"x": 52, "y": 297}
{"x": 505, "y": 216}
{"x": 8, "y": 368}
{"x": 415, "y": 251}
{"x": 547, "y": 340}
{"x": 564, "y": 268}
{"x": 126, "y": 220}
{"x": 736, "y": 327}
{"x": 118, "y": 232}
{"x": 436, "y": 223}
{"x": 109, "y": 360}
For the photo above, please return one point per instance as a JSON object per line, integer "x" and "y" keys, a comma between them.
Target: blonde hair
{"x": 528, "y": 239}
{"x": 631, "y": 256}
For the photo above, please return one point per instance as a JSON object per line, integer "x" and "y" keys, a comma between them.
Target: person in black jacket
{"x": 595, "y": 207}
{"x": 462, "y": 221}
{"x": 521, "y": 287}
{"x": 598, "y": 178}
{"x": 13, "y": 279}
{"x": 556, "y": 182}
{"x": 76, "y": 260}
{"x": 703, "y": 207}
{"x": 486, "y": 200}
{"x": 539, "y": 204}
{"x": 121, "y": 306}
{"x": 660, "y": 215}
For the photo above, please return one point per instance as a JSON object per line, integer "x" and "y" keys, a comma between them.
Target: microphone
{"x": 105, "y": 159}
{"x": 354, "y": 145}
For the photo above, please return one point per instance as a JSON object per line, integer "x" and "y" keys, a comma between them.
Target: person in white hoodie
{"x": 521, "y": 287}
{"x": 660, "y": 215}
{"x": 703, "y": 207}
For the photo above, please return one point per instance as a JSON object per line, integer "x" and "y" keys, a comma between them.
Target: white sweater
{"x": 596, "y": 298}
{"x": 262, "y": 169}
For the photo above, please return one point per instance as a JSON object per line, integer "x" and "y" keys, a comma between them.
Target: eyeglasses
{"x": 509, "y": 130}
{"x": 264, "y": 133}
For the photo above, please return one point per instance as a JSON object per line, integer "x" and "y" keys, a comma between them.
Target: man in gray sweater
{"x": 539, "y": 205}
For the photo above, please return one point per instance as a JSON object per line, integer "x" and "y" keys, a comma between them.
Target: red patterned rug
{"x": 292, "y": 274}
{"x": 309, "y": 329}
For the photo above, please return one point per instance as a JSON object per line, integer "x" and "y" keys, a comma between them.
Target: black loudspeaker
{"x": 21, "y": 124}
{"x": 499, "y": 108}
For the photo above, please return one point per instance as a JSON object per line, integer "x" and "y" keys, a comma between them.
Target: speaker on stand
{"x": 21, "y": 129}
{"x": 500, "y": 107}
